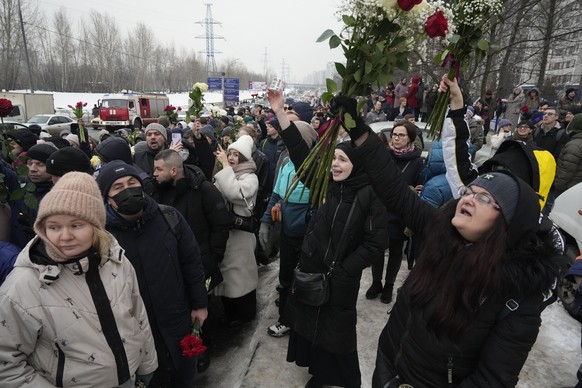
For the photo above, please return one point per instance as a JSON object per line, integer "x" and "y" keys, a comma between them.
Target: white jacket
{"x": 50, "y": 331}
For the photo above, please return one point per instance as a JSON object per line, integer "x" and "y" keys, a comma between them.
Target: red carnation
{"x": 524, "y": 109}
{"x": 436, "y": 25}
{"x": 5, "y": 107}
{"x": 407, "y": 5}
{"x": 191, "y": 345}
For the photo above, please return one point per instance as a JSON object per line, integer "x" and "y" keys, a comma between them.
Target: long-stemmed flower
{"x": 78, "y": 112}
{"x": 376, "y": 39}
{"x": 197, "y": 100}
{"x": 472, "y": 18}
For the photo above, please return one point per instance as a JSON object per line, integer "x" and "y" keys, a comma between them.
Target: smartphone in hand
{"x": 176, "y": 138}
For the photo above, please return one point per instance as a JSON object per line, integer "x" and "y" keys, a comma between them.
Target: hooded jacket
{"x": 51, "y": 333}
{"x": 411, "y": 98}
{"x": 491, "y": 352}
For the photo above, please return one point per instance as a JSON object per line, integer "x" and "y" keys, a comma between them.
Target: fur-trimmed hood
{"x": 529, "y": 269}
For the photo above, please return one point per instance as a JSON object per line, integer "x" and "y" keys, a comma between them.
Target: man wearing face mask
{"x": 167, "y": 262}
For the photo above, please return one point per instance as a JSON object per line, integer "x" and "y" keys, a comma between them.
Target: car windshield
{"x": 39, "y": 119}
{"x": 114, "y": 104}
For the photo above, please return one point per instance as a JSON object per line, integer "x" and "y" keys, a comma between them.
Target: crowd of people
{"x": 116, "y": 245}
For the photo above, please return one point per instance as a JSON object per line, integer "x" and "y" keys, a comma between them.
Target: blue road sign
{"x": 214, "y": 83}
{"x": 231, "y": 84}
{"x": 231, "y": 95}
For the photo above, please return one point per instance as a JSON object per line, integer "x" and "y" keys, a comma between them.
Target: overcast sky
{"x": 286, "y": 29}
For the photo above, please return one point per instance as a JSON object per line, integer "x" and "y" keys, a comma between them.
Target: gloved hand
{"x": 349, "y": 104}
{"x": 264, "y": 238}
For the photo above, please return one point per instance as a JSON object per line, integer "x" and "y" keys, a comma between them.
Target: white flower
{"x": 200, "y": 85}
{"x": 387, "y": 4}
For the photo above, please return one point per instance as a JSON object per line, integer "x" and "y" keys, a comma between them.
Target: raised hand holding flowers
{"x": 78, "y": 112}
{"x": 472, "y": 18}
{"x": 197, "y": 99}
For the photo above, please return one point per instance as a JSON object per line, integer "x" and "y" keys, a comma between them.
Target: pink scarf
{"x": 244, "y": 168}
{"x": 401, "y": 151}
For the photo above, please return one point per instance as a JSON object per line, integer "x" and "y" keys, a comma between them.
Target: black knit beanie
{"x": 66, "y": 160}
{"x": 41, "y": 152}
{"x": 113, "y": 171}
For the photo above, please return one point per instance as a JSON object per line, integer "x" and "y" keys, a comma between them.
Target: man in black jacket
{"x": 167, "y": 263}
{"x": 185, "y": 187}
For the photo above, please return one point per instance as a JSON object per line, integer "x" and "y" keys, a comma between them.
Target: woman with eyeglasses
{"x": 469, "y": 312}
{"x": 407, "y": 158}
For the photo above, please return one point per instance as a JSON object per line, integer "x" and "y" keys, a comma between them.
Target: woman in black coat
{"x": 324, "y": 338}
{"x": 469, "y": 312}
{"x": 407, "y": 158}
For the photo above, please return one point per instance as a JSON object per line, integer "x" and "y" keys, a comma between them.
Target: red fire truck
{"x": 132, "y": 110}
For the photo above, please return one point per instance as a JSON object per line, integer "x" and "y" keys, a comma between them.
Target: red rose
{"x": 179, "y": 108}
{"x": 85, "y": 104}
{"x": 436, "y": 25}
{"x": 524, "y": 109}
{"x": 5, "y": 107}
{"x": 407, "y": 5}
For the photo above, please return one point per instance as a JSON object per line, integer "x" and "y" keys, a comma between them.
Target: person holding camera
{"x": 239, "y": 185}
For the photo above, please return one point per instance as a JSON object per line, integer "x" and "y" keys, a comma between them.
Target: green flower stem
{"x": 437, "y": 117}
{"x": 82, "y": 134}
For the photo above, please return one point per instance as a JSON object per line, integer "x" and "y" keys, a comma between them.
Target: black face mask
{"x": 129, "y": 201}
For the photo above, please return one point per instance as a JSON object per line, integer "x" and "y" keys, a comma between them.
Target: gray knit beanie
{"x": 503, "y": 188}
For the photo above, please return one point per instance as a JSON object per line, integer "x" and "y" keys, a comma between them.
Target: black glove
{"x": 349, "y": 105}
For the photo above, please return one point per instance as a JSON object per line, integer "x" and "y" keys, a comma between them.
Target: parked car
{"x": 53, "y": 124}
{"x": 97, "y": 123}
{"x": 8, "y": 125}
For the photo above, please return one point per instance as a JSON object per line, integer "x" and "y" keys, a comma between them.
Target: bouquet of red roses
{"x": 191, "y": 345}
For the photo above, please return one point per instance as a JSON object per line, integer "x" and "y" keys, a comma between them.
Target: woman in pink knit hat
{"x": 71, "y": 313}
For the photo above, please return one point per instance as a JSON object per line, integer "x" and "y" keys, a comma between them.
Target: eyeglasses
{"x": 399, "y": 134}
{"x": 482, "y": 198}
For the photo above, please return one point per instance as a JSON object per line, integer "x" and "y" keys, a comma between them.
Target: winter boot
{"x": 374, "y": 290}
{"x": 387, "y": 294}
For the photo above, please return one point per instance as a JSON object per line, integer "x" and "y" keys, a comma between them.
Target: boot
{"x": 374, "y": 290}
{"x": 387, "y": 294}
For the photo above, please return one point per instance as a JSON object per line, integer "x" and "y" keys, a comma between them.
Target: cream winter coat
{"x": 50, "y": 331}
{"x": 239, "y": 266}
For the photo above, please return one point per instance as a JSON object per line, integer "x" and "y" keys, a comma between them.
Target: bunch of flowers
{"x": 172, "y": 112}
{"x": 191, "y": 344}
{"x": 197, "y": 100}
{"x": 216, "y": 111}
{"x": 472, "y": 19}
{"x": 78, "y": 112}
{"x": 78, "y": 109}
{"x": 376, "y": 39}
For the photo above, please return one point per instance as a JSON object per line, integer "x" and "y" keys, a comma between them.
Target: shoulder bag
{"x": 312, "y": 289}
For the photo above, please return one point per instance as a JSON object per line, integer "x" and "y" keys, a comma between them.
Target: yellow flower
{"x": 200, "y": 85}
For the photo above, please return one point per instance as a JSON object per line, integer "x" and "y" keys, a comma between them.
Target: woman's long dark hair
{"x": 454, "y": 277}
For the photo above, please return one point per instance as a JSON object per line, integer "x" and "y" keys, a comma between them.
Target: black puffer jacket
{"x": 493, "y": 350}
{"x": 333, "y": 326}
{"x": 202, "y": 205}
{"x": 169, "y": 272}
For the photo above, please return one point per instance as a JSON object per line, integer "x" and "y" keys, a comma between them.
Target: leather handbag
{"x": 313, "y": 289}
{"x": 248, "y": 224}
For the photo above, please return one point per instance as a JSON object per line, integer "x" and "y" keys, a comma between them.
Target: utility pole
{"x": 208, "y": 24}
{"x": 266, "y": 65}
{"x": 25, "y": 47}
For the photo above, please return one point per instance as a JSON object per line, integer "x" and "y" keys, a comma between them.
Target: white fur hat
{"x": 244, "y": 146}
